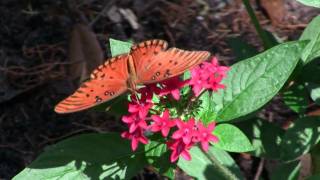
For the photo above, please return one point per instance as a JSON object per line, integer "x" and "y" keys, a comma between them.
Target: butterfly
{"x": 148, "y": 62}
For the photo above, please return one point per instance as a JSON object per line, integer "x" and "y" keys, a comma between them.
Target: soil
{"x": 35, "y": 59}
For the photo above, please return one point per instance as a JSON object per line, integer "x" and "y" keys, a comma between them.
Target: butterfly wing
{"x": 107, "y": 82}
{"x": 167, "y": 64}
{"x": 144, "y": 52}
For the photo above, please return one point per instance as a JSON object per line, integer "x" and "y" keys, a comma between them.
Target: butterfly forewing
{"x": 170, "y": 63}
{"x": 144, "y": 52}
{"x": 107, "y": 82}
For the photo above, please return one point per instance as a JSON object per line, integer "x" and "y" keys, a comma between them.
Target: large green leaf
{"x": 300, "y": 138}
{"x": 119, "y": 47}
{"x": 265, "y": 137}
{"x": 312, "y": 33}
{"x": 251, "y": 83}
{"x": 232, "y": 139}
{"x": 89, "y": 156}
{"x": 313, "y": 3}
{"x": 202, "y": 167}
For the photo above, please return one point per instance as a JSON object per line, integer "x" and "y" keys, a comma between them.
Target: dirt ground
{"x": 40, "y": 48}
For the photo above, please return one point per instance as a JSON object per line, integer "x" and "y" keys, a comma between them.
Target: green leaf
{"x": 159, "y": 157}
{"x": 232, "y": 139}
{"x": 300, "y": 138}
{"x": 313, "y": 3}
{"x": 315, "y": 92}
{"x": 205, "y": 112}
{"x": 290, "y": 170}
{"x": 296, "y": 98}
{"x": 312, "y": 33}
{"x": 314, "y": 177}
{"x": 251, "y": 83}
{"x": 89, "y": 156}
{"x": 119, "y": 47}
{"x": 264, "y": 136}
{"x": 202, "y": 167}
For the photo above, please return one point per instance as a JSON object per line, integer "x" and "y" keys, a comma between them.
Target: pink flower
{"x": 186, "y": 130}
{"x": 208, "y": 76}
{"x": 136, "y": 136}
{"x": 162, "y": 124}
{"x": 134, "y": 121}
{"x": 204, "y": 135}
{"x": 178, "y": 148}
{"x": 172, "y": 86}
{"x": 141, "y": 108}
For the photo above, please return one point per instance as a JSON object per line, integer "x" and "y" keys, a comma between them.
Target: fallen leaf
{"x": 129, "y": 15}
{"x": 85, "y": 52}
{"x": 275, "y": 10}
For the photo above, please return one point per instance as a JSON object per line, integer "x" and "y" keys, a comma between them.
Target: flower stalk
{"x": 262, "y": 34}
{"x": 223, "y": 171}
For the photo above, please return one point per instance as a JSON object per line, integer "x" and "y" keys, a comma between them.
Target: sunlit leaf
{"x": 314, "y": 3}
{"x": 312, "y": 33}
{"x": 89, "y": 156}
{"x": 119, "y": 47}
{"x": 232, "y": 139}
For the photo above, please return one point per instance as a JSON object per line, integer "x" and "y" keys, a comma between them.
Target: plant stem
{"x": 224, "y": 172}
{"x": 262, "y": 34}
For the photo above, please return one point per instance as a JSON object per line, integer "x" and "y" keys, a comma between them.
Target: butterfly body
{"x": 148, "y": 62}
{"x": 131, "y": 82}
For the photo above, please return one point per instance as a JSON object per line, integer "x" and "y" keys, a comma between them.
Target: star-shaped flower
{"x": 162, "y": 124}
{"x": 142, "y": 108}
{"x": 136, "y": 136}
{"x": 134, "y": 121}
{"x": 204, "y": 135}
{"x": 178, "y": 148}
{"x": 186, "y": 130}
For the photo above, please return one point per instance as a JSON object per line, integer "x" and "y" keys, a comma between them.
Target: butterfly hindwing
{"x": 107, "y": 82}
{"x": 170, "y": 63}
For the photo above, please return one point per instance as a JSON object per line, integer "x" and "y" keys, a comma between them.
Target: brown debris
{"x": 85, "y": 52}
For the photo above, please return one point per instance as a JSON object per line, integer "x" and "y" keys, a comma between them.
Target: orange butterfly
{"x": 148, "y": 62}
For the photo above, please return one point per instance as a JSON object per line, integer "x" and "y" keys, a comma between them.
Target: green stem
{"x": 262, "y": 34}
{"x": 224, "y": 172}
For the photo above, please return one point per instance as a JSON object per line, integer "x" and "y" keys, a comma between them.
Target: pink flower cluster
{"x": 208, "y": 76}
{"x": 180, "y": 135}
{"x": 187, "y": 133}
